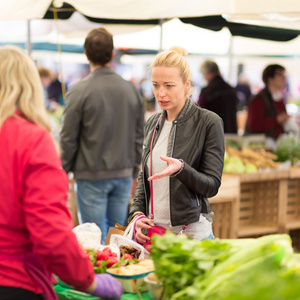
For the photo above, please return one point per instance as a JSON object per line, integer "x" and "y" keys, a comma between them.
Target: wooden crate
{"x": 260, "y": 195}
{"x": 291, "y": 219}
{"x": 225, "y": 207}
{"x": 258, "y": 204}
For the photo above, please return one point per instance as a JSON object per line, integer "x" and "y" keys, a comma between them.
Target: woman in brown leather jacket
{"x": 183, "y": 156}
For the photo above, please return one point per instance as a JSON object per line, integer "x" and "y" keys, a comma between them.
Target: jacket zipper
{"x": 172, "y": 150}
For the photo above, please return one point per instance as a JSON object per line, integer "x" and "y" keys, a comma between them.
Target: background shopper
{"x": 102, "y": 137}
{"x": 266, "y": 111}
{"x": 218, "y": 96}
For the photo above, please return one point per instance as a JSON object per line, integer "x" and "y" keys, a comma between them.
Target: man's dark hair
{"x": 270, "y": 71}
{"x": 98, "y": 46}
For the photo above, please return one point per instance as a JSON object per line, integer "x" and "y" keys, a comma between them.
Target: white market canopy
{"x": 286, "y": 14}
{"x": 288, "y": 10}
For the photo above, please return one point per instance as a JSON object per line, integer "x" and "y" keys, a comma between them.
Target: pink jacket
{"x": 33, "y": 209}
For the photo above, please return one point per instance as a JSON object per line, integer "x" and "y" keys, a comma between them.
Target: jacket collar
{"x": 103, "y": 70}
{"x": 185, "y": 113}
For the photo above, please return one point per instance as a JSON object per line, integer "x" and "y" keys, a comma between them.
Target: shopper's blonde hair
{"x": 175, "y": 57}
{"x": 21, "y": 88}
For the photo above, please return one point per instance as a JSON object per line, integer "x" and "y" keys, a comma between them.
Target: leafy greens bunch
{"x": 288, "y": 148}
{"x": 262, "y": 268}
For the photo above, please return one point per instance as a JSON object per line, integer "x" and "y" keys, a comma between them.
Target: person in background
{"x": 187, "y": 156}
{"x": 218, "y": 96}
{"x": 54, "y": 90}
{"x": 102, "y": 136}
{"x": 46, "y": 77}
{"x": 266, "y": 111}
{"x": 243, "y": 92}
{"x": 36, "y": 237}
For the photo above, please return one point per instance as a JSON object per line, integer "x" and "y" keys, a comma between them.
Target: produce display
{"x": 237, "y": 269}
{"x": 288, "y": 148}
{"x": 246, "y": 160}
{"x": 106, "y": 258}
{"x": 141, "y": 267}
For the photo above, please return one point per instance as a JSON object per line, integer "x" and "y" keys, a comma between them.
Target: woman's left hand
{"x": 174, "y": 165}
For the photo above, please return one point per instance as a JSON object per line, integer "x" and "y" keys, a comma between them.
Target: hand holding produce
{"x": 107, "y": 287}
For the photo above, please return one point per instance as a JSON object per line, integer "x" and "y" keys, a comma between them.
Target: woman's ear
{"x": 187, "y": 85}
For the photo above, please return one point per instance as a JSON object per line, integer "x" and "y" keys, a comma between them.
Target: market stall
{"x": 261, "y": 200}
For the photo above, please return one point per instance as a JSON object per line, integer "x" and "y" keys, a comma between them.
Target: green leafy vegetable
{"x": 288, "y": 148}
{"x": 226, "y": 269}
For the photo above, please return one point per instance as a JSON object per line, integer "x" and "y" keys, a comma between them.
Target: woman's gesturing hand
{"x": 174, "y": 165}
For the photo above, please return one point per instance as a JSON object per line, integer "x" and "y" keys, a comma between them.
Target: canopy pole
{"x": 63, "y": 87}
{"x": 230, "y": 55}
{"x": 28, "y": 42}
{"x": 161, "y": 22}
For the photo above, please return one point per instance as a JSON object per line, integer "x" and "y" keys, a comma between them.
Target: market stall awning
{"x": 217, "y": 23}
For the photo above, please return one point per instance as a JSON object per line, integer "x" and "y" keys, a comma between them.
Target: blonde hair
{"x": 175, "y": 57}
{"x": 21, "y": 88}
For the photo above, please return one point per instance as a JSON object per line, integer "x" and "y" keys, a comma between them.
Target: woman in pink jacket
{"x": 36, "y": 237}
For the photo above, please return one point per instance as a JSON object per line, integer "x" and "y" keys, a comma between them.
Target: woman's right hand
{"x": 143, "y": 223}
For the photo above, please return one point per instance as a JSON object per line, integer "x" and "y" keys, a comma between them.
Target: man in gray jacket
{"x": 102, "y": 137}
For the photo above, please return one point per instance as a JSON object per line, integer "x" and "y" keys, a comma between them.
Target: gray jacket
{"x": 196, "y": 137}
{"x": 102, "y": 130}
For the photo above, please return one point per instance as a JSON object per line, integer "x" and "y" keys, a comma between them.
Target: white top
{"x": 161, "y": 192}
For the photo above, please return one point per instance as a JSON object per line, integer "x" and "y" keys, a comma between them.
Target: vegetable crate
{"x": 259, "y": 207}
{"x": 225, "y": 207}
{"x": 291, "y": 219}
{"x": 222, "y": 220}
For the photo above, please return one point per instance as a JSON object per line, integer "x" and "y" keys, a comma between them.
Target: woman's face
{"x": 169, "y": 89}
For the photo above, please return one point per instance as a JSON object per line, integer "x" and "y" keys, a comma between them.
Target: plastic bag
{"x": 117, "y": 240}
{"x": 88, "y": 236}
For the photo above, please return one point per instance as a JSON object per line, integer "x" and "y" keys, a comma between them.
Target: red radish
{"x": 128, "y": 256}
{"x": 98, "y": 263}
{"x": 112, "y": 261}
{"x": 107, "y": 250}
{"x": 102, "y": 256}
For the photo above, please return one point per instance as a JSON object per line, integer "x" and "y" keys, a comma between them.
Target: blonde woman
{"x": 35, "y": 225}
{"x": 184, "y": 152}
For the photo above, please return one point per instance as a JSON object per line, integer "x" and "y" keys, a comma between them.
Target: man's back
{"x": 103, "y": 124}
{"x": 221, "y": 98}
